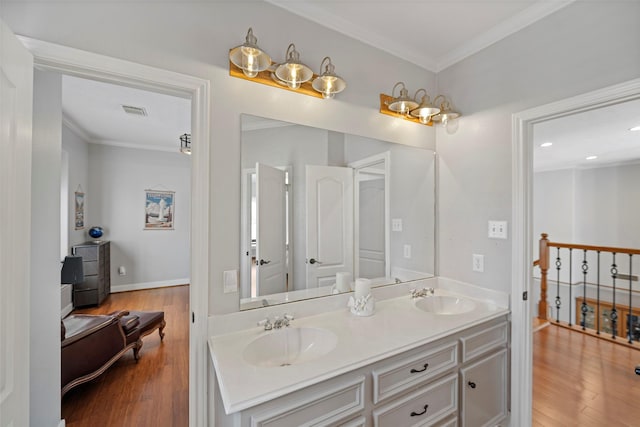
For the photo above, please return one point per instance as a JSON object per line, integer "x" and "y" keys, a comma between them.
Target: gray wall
{"x": 78, "y": 151}
{"x": 583, "y": 47}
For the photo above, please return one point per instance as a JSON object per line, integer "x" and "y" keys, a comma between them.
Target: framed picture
{"x": 159, "y": 210}
{"x": 79, "y": 210}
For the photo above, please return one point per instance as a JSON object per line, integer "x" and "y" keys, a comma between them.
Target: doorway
{"x": 57, "y": 58}
{"x": 523, "y": 240}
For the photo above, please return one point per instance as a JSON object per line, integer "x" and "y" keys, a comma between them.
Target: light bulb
{"x": 249, "y": 61}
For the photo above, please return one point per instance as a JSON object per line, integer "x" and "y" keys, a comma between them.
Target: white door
{"x": 271, "y": 227}
{"x": 329, "y": 205}
{"x": 16, "y": 98}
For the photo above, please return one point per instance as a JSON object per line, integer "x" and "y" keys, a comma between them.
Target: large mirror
{"x": 322, "y": 208}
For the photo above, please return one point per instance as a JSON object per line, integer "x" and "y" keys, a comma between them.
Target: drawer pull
{"x": 472, "y": 384}
{"x": 424, "y": 368}
{"x": 417, "y": 414}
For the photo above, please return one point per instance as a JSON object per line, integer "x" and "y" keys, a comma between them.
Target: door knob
{"x": 263, "y": 262}
{"x": 314, "y": 261}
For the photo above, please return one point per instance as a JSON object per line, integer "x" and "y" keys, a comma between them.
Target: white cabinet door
{"x": 484, "y": 391}
{"x": 16, "y": 99}
{"x": 271, "y": 249}
{"x": 329, "y": 203}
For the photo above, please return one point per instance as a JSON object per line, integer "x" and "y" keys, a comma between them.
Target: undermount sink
{"x": 445, "y": 304}
{"x": 289, "y": 346}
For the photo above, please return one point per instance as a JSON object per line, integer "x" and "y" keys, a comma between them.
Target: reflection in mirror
{"x": 322, "y": 208}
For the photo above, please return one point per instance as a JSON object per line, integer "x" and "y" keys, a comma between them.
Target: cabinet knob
{"x": 472, "y": 384}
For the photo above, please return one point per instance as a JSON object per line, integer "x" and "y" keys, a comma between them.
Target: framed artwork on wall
{"x": 79, "y": 209}
{"x": 159, "y": 210}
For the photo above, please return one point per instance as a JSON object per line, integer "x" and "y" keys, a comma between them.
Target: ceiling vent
{"x": 136, "y": 111}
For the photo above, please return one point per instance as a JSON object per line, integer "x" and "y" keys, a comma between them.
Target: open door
{"x": 329, "y": 206}
{"x": 16, "y": 99}
{"x": 271, "y": 229}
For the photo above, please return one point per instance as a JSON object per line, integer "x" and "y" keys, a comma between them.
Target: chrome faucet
{"x": 415, "y": 293}
{"x": 278, "y": 322}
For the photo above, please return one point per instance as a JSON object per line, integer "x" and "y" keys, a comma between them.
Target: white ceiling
{"x": 93, "y": 110}
{"x": 453, "y": 30}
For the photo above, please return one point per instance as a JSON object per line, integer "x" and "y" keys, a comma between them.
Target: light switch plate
{"x": 230, "y": 280}
{"x": 498, "y": 229}
{"x": 396, "y": 224}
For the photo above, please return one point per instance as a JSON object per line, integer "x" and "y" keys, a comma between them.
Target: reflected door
{"x": 329, "y": 206}
{"x": 271, "y": 226}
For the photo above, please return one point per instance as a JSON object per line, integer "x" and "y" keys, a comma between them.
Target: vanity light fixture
{"x": 185, "y": 143}
{"x": 249, "y": 57}
{"x": 328, "y": 83}
{"x": 423, "y": 111}
{"x": 249, "y": 62}
{"x": 293, "y": 72}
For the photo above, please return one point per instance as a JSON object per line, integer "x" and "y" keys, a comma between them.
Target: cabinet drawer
{"x": 483, "y": 341}
{"x": 331, "y": 406}
{"x": 90, "y": 282}
{"x": 86, "y": 252}
{"x": 86, "y": 297}
{"x": 405, "y": 372}
{"x": 90, "y": 268}
{"x": 425, "y": 407}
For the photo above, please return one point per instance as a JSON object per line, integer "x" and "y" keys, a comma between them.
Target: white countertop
{"x": 396, "y": 326}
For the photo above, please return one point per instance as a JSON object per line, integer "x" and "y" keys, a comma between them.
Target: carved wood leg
{"x": 161, "y": 329}
{"x": 136, "y": 349}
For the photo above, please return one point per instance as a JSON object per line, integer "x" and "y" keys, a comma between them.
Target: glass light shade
{"x": 402, "y": 104}
{"x": 446, "y": 114}
{"x": 425, "y": 110}
{"x": 249, "y": 57}
{"x": 293, "y": 72}
{"x": 328, "y": 84}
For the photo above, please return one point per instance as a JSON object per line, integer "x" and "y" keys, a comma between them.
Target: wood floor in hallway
{"x": 580, "y": 380}
{"x": 152, "y": 392}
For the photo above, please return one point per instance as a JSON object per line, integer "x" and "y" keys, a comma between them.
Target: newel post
{"x": 543, "y": 263}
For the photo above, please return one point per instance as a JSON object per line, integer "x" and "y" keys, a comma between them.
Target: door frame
{"x": 522, "y": 219}
{"x": 79, "y": 63}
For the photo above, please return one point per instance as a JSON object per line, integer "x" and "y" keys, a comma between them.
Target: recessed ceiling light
{"x": 592, "y": 157}
{"x": 635, "y": 128}
{"x": 546, "y": 144}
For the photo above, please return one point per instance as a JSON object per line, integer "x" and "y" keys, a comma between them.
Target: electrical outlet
{"x": 122, "y": 271}
{"x": 407, "y": 251}
{"x": 396, "y": 224}
{"x": 230, "y": 280}
{"x": 478, "y": 263}
{"x": 498, "y": 229}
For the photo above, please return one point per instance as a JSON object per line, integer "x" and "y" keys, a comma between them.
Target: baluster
{"x": 598, "y": 297}
{"x": 614, "y": 313}
{"x": 558, "y": 302}
{"x": 630, "y": 315}
{"x": 570, "y": 286}
{"x": 584, "y": 309}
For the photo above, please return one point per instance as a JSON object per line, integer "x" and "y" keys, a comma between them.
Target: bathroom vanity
{"x": 439, "y": 360}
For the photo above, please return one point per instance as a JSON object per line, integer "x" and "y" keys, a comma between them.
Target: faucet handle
{"x": 288, "y": 316}
{"x": 266, "y": 323}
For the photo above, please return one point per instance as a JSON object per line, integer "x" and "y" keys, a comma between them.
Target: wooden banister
{"x": 543, "y": 263}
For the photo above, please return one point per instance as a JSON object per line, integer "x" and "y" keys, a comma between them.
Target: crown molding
{"x": 136, "y": 146}
{"x": 76, "y": 128}
{"x": 510, "y": 26}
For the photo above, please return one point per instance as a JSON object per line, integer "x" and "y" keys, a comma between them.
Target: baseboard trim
{"x": 148, "y": 285}
{"x": 62, "y": 423}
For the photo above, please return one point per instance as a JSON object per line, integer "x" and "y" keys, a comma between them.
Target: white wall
{"x": 583, "y": 47}
{"x": 118, "y": 178}
{"x": 78, "y": 151}
{"x": 150, "y": 33}
{"x": 44, "y": 363}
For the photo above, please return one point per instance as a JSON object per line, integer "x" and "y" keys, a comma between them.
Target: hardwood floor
{"x": 579, "y": 380}
{"x": 152, "y": 392}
